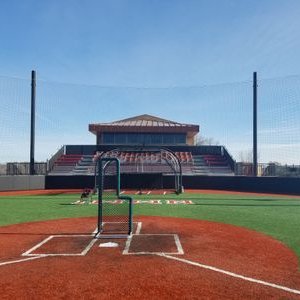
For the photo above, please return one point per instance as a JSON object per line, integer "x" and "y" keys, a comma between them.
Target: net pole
{"x": 118, "y": 177}
{"x": 100, "y": 192}
{"x": 254, "y": 171}
{"x": 32, "y": 122}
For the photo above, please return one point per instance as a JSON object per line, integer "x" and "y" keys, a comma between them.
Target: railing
{"x": 268, "y": 169}
{"x": 53, "y": 159}
{"x": 23, "y": 168}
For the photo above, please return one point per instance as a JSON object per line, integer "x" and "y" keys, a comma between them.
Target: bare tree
{"x": 247, "y": 156}
{"x": 2, "y": 169}
{"x": 201, "y": 140}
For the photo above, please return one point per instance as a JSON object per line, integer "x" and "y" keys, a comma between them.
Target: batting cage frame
{"x": 110, "y": 221}
{"x": 173, "y": 161}
{"x": 168, "y": 156}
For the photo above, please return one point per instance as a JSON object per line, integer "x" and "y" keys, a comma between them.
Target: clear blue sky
{"x": 148, "y": 43}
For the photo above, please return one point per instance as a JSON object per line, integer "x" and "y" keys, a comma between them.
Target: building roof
{"x": 143, "y": 123}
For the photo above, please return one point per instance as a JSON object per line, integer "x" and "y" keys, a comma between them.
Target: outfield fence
{"x": 22, "y": 183}
{"x": 267, "y": 169}
{"x": 22, "y": 168}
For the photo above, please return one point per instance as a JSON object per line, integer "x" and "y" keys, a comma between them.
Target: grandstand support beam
{"x": 254, "y": 124}
{"x": 32, "y": 122}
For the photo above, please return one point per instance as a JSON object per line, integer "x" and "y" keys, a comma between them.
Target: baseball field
{"x": 200, "y": 244}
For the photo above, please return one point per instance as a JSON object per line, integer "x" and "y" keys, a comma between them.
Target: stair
{"x": 84, "y": 166}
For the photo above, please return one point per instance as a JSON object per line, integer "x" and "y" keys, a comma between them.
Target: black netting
{"x": 114, "y": 212}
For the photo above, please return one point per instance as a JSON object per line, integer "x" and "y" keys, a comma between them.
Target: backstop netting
{"x": 223, "y": 112}
{"x": 114, "y": 210}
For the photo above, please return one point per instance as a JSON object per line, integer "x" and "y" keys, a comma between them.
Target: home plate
{"x": 109, "y": 245}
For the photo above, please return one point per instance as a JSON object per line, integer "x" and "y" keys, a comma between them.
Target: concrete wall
{"x": 22, "y": 182}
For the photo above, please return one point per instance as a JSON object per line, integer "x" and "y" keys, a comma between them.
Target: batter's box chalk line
{"x": 83, "y": 251}
{"x": 175, "y": 240}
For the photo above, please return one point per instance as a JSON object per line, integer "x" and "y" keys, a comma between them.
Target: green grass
{"x": 275, "y": 216}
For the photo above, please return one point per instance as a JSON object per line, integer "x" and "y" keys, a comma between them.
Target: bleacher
{"x": 131, "y": 162}
{"x": 215, "y": 160}
{"x": 151, "y": 162}
{"x": 145, "y": 162}
{"x": 65, "y": 164}
{"x": 217, "y": 164}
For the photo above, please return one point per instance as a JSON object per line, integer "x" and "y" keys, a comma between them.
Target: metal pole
{"x": 254, "y": 124}
{"x": 32, "y": 122}
{"x": 100, "y": 192}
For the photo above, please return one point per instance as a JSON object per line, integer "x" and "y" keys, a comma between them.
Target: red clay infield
{"x": 106, "y": 273}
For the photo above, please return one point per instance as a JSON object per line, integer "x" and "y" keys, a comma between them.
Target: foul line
{"x": 21, "y": 260}
{"x": 276, "y": 286}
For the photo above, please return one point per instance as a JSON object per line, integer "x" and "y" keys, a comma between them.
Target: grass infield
{"x": 277, "y": 216}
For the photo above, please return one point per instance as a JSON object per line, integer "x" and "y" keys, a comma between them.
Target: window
{"x": 147, "y": 139}
{"x": 120, "y": 138}
{"x": 108, "y": 138}
{"x": 169, "y": 138}
{"x": 156, "y": 138}
{"x": 144, "y": 138}
{"x": 180, "y": 138}
{"x": 134, "y": 138}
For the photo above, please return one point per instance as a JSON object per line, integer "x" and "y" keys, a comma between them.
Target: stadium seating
{"x": 144, "y": 162}
{"x": 65, "y": 164}
{"x": 131, "y": 162}
{"x": 149, "y": 162}
{"x": 215, "y": 160}
{"x": 217, "y": 165}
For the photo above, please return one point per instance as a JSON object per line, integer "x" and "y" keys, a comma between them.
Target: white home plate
{"x": 109, "y": 245}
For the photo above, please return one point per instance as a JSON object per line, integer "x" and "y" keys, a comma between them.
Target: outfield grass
{"x": 275, "y": 216}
